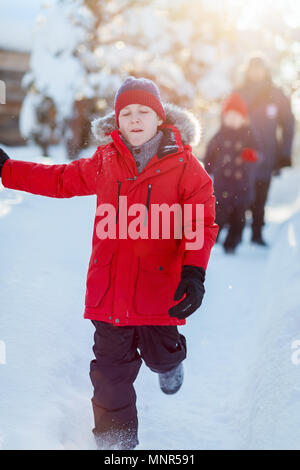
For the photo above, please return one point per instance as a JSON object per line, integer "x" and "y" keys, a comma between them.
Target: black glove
{"x": 3, "y": 158}
{"x": 191, "y": 284}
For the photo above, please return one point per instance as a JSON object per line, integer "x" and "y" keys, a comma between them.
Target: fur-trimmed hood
{"x": 187, "y": 124}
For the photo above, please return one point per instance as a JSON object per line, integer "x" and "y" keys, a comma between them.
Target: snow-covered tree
{"x": 192, "y": 48}
{"x": 97, "y": 44}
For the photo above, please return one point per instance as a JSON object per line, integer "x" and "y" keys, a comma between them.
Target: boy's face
{"x": 234, "y": 119}
{"x": 138, "y": 123}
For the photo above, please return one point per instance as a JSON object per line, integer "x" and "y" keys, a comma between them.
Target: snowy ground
{"x": 242, "y": 374}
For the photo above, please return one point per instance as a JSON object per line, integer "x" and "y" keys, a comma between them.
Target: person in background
{"x": 269, "y": 112}
{"x": 231, "y": 157}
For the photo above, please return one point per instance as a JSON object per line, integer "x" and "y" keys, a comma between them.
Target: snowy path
{"x": 228, "y": 400}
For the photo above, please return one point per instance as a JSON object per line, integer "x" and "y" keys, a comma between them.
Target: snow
{"x": 242, "y": 373}
{"x": 52, "y": 58}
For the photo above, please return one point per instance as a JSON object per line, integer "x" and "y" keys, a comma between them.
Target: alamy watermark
{"x": 2, "y": 352}
{"x": 295, "y": 357}
{"x": 2, "y": 92}
{"x": 188, "y": 223}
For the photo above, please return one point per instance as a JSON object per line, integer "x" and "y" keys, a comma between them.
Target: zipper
{"x": 119, "y": 190}
{"x": 147, "y": 203}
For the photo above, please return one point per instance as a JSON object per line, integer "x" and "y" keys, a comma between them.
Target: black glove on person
{"x": 191, "y": 284}
{"x": 3, "y": 158}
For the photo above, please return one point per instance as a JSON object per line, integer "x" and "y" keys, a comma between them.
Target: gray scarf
{"x": 143, "y": 153}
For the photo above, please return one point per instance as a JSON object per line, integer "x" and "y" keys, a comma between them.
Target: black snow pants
{"x": 235, "y": 218}
{"x": 115, "y": 369}
{"x": 258, "y": 206}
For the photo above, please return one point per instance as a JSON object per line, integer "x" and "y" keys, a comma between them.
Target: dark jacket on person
{"x": 269, "y": 110}
{"x": 233, "y": 176}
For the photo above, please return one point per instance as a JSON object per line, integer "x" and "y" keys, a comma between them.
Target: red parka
{"x": 132, "y": 281}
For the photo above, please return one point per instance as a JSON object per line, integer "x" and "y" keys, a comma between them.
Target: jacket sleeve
{"x": 199, "y": 231}
{"x": 287, "y": 124}
{"x": 210, "y": 155}
{"x": 254, "y": 142}
{"x": 77, "y": 178}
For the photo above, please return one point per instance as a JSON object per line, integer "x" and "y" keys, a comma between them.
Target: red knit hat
{"x": 138, "y": 91}
{"x": 235, "y": 103}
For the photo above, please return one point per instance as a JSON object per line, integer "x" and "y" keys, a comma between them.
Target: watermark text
{"x": 167, "y": 222}
{"x": 2, "y": 352}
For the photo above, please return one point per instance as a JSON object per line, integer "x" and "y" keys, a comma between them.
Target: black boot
{"x": 171, "y": 381}
{"x": 229, "y": 249}
{"x": 258, "y": 240}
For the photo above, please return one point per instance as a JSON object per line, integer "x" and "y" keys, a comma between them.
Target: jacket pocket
{"x": 98, "y": 278}
{"x": 155, "y": 285}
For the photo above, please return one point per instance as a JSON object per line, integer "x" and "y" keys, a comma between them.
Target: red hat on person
{"x": 235, "y": 103}
{"x": 139, "y": 91}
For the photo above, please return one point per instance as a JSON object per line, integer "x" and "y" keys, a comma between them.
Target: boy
{"x": 135, "y": 285}
{"x": 230, "y": 157}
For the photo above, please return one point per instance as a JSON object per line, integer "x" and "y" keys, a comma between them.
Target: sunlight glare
{"x": 253, "y": 14}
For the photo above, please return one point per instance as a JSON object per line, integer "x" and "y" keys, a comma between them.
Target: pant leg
{"x": 258, "y": 207}
{"x": 112, "y": 374}
{"x": 236, "y": 226}
{"x": 221, "y": 218}
{"x": 162, "y": 347}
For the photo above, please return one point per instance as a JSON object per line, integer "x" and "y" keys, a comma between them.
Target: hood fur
{"x": 187, "y": 124}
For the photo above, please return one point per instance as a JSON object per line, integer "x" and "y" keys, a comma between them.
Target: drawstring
{"x": 119, "y": 190}
{"x": 147, "y": 204}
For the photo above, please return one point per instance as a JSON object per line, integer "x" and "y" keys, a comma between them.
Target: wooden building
{"x": 13, "y": 66}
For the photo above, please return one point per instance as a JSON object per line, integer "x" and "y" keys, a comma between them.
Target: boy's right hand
{"x": 3, "y": 158}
